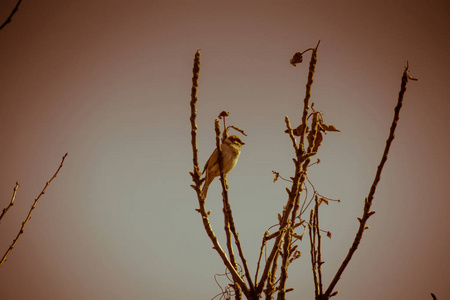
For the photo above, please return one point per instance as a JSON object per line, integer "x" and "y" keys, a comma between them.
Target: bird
{"x": 231, "y": 149}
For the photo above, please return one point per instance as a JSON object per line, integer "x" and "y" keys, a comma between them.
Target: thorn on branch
{"x": 334, "y": 293}
{"x": 288, "y": 191}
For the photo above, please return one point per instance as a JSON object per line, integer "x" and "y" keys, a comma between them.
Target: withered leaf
{"x": 276, "y": 176}
{"x": 326, "y": 127}
{"x": 329, "y": 234}
{"x": 224, "y": 114}
{"x": 298, "y": 131}
{"x": 296, "y": 59}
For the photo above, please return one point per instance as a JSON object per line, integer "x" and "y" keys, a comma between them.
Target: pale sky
{"x": 109, "y": 83}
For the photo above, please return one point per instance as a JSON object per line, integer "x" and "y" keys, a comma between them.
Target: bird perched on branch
{"x": 231, "y": 149}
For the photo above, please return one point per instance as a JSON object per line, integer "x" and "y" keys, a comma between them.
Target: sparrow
{"x": 231, "y": 149}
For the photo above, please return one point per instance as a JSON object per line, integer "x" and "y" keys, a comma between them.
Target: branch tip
{"x": 31, "y": 210}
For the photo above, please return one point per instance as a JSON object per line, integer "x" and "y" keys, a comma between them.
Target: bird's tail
{"x": 208, "y": 181}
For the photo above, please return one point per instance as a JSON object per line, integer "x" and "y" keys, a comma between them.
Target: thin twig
{"x": 369, "y": 200}
{"x": 288, "y": 238}
{"x": 312, "y": 242}
{"x": 287, "y": 241}
{"x": 313, "y": 133}
{"x": 226, "y": 204}
{"x": 291, "y": 135}
{"x": 284, "y": 265}
{"x": 263, "y": 246}
{"x": 312, "y": 68}
{"x": 15, "y": 9}
{"x": 270, "y": 288}
{"x": 31, "y": 210}
{"x": 196, "y": 72}
{"x": 241, "y": 253}
{"x": 196, "y": 178}
{"x": 11, "y": 203}
{"x": 297, "y": 182}
{"x": 319, "y": 246}
{"x": 229, "y": 226}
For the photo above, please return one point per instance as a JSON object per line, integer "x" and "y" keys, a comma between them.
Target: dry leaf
{"x": 296, "y": 59}
{"x": 326, "y": 127}
{"x": 324, "y": 200}
{"x": 298, "y": 131}
{"x": 224, "y": 114}
{"x": 276, "y": 176}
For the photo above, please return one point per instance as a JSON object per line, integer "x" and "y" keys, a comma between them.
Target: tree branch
{"x": 297, "y": 182}
{"x": 31, "y": 210}
{"x": 196, "y": 178}
{"x": 369, "y": 200}
{"x": 16, "y": 8}
{"x": 312, "y": 68}
{"x": 226, "y": 204}
{"x": 11, "y": 203}
{"x": 196, "y": 72}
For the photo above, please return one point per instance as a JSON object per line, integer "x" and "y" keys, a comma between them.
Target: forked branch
{"x": 301, "y": 165}
{"x": 197, "y": 181}
{"x": 11, "y": 203}
{"x": 31, "y": 210}
{"x": 283, "y": 249}
{"x": 228, "y": 214}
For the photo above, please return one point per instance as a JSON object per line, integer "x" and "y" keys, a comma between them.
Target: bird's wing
{"x": 212, "y": 160}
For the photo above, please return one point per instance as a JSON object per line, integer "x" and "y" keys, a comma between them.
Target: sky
{"x": 109, "y": 83}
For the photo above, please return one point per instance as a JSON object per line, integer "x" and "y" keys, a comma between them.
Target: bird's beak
{"x": 242, "y": 143}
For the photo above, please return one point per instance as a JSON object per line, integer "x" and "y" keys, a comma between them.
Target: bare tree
{"x": 292, "y": 224}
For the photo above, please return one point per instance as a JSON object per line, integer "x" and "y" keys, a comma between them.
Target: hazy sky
{"x": 109, "y": 83}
